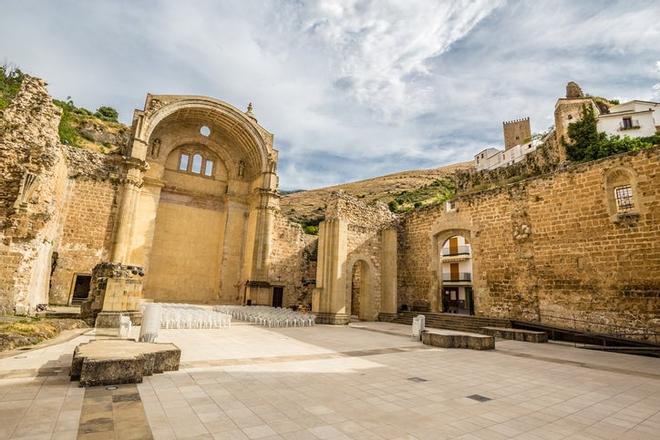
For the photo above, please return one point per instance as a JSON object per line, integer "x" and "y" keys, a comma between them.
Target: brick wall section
{"x": 548, "y": 248}
{"x": 86, "y": 236}
{"x": 292, "y": 261}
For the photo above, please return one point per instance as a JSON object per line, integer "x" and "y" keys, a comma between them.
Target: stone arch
{"x": 222, "y": 118}
{"x": 366, "y": 291}
{"x": 438, "y": 237}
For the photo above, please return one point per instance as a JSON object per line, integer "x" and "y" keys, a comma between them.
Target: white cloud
{"x": 351, "y": 88}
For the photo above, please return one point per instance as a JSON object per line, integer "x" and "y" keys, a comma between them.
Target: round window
{"x": 205, "y": 131}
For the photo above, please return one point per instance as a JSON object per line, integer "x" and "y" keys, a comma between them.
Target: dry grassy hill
{"x": 309, "y": 205}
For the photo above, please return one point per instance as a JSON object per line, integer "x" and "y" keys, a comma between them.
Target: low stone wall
{"x": 516, "y": 334}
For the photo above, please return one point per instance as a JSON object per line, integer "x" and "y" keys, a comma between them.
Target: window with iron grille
{"x": 624, "y": 197}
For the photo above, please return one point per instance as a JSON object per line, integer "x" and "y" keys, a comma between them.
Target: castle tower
{"x": 516, "y": 132}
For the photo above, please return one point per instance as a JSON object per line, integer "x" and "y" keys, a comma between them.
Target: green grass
{"x": 439, "y": 191}
{"x": 311, "y": 226}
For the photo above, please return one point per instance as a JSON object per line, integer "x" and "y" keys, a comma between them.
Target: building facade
{"x": 633, "y": 119}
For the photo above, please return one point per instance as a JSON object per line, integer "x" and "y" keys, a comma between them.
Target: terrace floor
{"x": 337, "y": 382}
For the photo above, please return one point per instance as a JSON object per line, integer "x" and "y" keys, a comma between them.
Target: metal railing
{"x": 460, "y": 250}
{"x": 461, "y": 276}
{"x": 592, "y": 333}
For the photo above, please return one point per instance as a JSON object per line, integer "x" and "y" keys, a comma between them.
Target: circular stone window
{"x": 205, "y": 131}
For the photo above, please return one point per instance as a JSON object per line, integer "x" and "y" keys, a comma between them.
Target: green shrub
{"x": 10, "y": 84}
{"x": 311, "y": 225}
{"x": 436, "y": 192}
{"x": 67, "y": 131}
{"x": 311, "y": 230}
{"x": 107, "y": 113}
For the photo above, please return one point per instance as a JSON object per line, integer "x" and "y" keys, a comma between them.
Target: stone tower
{"x": 516, "y": 132}
{"x": 569, "y": 110}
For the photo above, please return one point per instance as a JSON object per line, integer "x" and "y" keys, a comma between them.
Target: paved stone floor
{"x": 330, "y": 382}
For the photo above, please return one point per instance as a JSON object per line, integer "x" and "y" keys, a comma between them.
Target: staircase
{"x": 451, "y": 321}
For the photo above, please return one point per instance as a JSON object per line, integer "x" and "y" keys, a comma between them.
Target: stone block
{"x": 118, "y": 361}
{"x": 438, "y": 338}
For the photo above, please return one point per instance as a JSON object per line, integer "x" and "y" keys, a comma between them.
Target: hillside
{"x": 415, "y": 186}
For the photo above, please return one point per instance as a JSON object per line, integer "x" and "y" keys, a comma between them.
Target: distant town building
{"x": 517, "y": 143}
{"x": 634, "y": 118}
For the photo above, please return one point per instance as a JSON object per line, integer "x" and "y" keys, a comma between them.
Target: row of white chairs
{"x": 187, "y": 316}
{"x": 269, "y": 316}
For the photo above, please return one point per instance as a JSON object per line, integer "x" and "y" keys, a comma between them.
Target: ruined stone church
{"x": 190, "y": 212}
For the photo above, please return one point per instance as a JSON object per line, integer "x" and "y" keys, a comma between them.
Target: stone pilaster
{"x": 329, "y": 302}
{"x": 388, "y": 283}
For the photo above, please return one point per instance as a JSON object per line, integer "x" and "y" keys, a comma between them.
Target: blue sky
{"x": 351, "y": 88}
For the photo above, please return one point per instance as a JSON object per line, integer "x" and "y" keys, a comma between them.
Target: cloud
{"x": 350, "y": 88}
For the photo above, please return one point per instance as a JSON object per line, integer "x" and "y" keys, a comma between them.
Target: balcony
{"x": 457, "y": 277}
{"x": 460, "y": 250}
{"x": 630, "y": 124}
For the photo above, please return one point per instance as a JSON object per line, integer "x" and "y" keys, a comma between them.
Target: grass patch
{"x": 311, "y": 226}
{"x": 438, "y": 191}
{"x": 30, "y": 331}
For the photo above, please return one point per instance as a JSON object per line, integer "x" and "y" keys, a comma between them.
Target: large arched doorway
{"x": 199, "y": 231}
{"x": 456, "y": 276}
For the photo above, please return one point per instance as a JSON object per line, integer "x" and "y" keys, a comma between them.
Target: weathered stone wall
{"x": 364, "y": 244}
{"x": 56, "y": 204}
{"x": 292, "y": 261}
{"x": 86, "y": 235}
{"x": 32, "y": 179}
{"x": 550, "y": 248}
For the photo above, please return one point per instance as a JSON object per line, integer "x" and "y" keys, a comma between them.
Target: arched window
{"x": 621, "y": 194}
{"x": 183, "y": 162}
{"x": 208, "y": 168}
{"x": 196, "y": 163}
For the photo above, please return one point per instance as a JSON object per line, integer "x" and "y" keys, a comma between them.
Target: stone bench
{"x": 452, "y": 339}
{"x": 117, "y": 361}
{"x": 516, "y": 334}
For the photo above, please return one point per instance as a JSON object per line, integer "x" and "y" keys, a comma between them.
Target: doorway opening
{"x": 81, "y": 285}
{"x": 278, "y": 296}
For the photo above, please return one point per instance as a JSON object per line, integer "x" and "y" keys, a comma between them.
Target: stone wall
{"x": 32, "y": 181}
{"x": 292, "y": 261}
{"x": 86, "y": 235}
{"x": 550, "y": 248}
{"x": 57, "y": 204}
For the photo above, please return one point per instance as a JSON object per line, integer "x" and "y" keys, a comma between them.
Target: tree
{"x": 107, "y": 113}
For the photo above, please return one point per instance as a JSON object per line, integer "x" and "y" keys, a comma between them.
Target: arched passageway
{"x": 456, "y": 276}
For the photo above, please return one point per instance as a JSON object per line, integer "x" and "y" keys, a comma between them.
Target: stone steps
{"x": 465, "y": 323}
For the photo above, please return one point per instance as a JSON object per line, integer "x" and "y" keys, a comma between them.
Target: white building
{"x": 492, "y": 158}
{"x": 456, "y": 269}
{"x": 633, "y": 119}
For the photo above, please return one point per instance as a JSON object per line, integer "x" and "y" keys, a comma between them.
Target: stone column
{"x": 126, "y": 214}
{"x": 388, "y": 274}
{"x": 329, "y": 302}
{"x": 233, "y": 251}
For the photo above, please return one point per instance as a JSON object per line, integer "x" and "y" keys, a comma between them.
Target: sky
{"x": 351, "y": 89}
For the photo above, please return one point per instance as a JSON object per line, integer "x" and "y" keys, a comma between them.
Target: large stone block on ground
{"x": 450, "y": 339}
{"x": 117, "y": 361}
{"x": 516, "y": 334}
